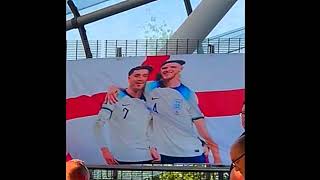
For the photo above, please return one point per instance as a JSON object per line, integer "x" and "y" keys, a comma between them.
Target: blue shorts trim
{"x": 172, "y": 159}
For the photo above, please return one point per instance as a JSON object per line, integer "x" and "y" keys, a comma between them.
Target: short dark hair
{"x": 149, "y": 68}
{"x": 181, "y": 62}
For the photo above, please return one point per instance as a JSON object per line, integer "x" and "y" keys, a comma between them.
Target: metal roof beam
{"x": 105, "y": 12}
{"x": 81, "y": 29}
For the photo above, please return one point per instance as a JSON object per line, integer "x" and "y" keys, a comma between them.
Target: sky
{"x": 131, "y": 24}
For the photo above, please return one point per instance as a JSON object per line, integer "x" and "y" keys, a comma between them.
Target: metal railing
{"x": 235, "y": 33}
{"x": 151, "y": 47}
{"x": 159, "y": 172}
{"x": 75, "y": 49}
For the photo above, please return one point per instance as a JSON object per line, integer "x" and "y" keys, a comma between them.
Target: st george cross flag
{"x": 217, "y": 79}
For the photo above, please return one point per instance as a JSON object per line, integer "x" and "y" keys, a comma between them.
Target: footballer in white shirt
{"x": 129, "y": 124}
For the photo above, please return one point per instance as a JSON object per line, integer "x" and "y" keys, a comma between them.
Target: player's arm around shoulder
{"x": 150, "y": 85}
{"x": 112, "y": 94}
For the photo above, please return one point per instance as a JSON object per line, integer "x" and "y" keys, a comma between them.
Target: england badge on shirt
{"x": 177, "y": 106}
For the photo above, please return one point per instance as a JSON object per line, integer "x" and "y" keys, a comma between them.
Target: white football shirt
{"x": 129, "y": 121}
{"x": 173, "y": 111}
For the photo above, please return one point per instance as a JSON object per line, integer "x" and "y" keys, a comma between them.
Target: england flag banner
{"x": 212, "y": 90}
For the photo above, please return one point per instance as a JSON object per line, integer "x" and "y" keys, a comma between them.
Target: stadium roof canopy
{"x": 235, "y": 33}
{"x": 81, "y": 4}
{"x": 186, "y": 30}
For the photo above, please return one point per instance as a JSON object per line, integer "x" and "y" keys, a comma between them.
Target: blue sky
{"x": 129, "y": 25}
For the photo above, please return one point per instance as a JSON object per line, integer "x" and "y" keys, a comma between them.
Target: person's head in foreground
{"x": 170, "y": 70}
{"x": 137, "y": 77}
{"x": 237, "y": 154}
{"x": 76, "y": 170}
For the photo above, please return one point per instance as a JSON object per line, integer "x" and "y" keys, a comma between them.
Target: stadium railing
{"x": 160, "y": 172}
{"x": 151, "y": 47}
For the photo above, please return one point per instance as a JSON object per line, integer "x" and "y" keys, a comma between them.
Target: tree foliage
{"x": 155, "y": 30}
